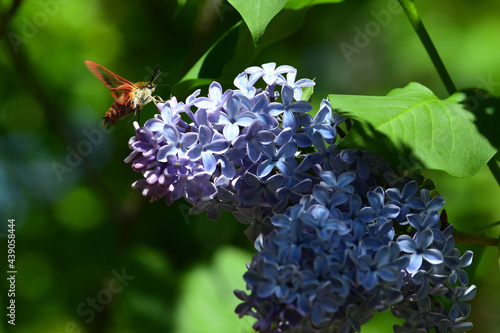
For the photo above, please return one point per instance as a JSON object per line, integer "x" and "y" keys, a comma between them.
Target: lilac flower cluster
{"x": 339, "y": 234}
{"x": 338, "y": 256}
{"x": 239, "y": 149}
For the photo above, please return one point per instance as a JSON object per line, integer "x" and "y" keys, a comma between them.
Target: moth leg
{"x": 158, "y": 99}
{"x": 137, "y": 111}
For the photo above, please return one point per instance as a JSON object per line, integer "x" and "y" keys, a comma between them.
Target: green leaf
{"x": 412, "y": 128}
{"x": 211, "y": 64}
{"x": 257, "y": 14}
{"x": 307, "y": 92}
{"x": 204, "y": 67}
{"x": 207, "y": 302}
{"x": 285, "y": 24}
{"x": 299, "y": 4}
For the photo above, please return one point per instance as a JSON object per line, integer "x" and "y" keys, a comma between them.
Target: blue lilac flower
{"x": 277, "y": 158}
{"x": 297, "y": 85}
{"x": 371, "y": 269}
{"x": 178, "y": 165}
{"x": 342, "y": 182}
{"x": 215, "y": 100}
{"x": 288, "y": 108}
{"x": 320, "y": 123}
{"x": 254, "y": 139}
{"x": 258, "y": 106}
{"x": 356, "y": 157}
{"x": 406, "y": 199}
{"x": 339, "y": 234}
{"x": 324, "y": 156}
{"x": 226, "y": 166}
{"x": 233, "y": 118}
{"x": 208, "y": 145}
{"x": 144, "y": 145}
{"x": 170, "y": 113}
{"x": 329, "y": 199}
{"x": 459, "y": 296}
{"x": 418, "y": 247}
{"x": 175, "y": 143}
{"x": 269, "y": 73}
{"x": 245, "y": 86}
{"x": 292, "y": 193}
{"x": 423, "y": 221}
{"x": 258, "y": 187}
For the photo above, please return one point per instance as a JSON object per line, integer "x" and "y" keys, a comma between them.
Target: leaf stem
{"x": 415, "y": 20}
{"x": 494, "y": 168}
{"x": 465, "y": 237}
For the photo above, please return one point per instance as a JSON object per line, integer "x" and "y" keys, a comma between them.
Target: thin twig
{"x": 475, "y": 239}
{"x": 417, "y": 24}
{"x": 6, "y": 17}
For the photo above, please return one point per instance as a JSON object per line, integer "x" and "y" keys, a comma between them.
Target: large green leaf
{"x": 207, "y": 301}
{"x": 257, "y": 14}
{"x": 412, "y": 128}
{"x": 211, "y": 64}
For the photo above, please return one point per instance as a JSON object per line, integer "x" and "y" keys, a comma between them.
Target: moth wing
{"x": 123, "y": 94}
{"x": 121, "y": 89}
{"x": 107, "y": 77}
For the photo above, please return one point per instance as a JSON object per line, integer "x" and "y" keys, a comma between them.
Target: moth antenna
{"x": 155, "y": 74}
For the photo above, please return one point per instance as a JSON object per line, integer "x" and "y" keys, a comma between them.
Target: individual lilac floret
{"x": 253, "y": 140}
{"x": 215, "y": 100}
{"x": 246, "y": 86}
{"x": 208, "y": 145}
{"x": 278, "y": 159}
{"x": 288, "y": 108}
{"x": 269, "y": 73}
{"x": 418, "y": 247}
{"x": 298, "y": 85}
{"x": 145, "y": 146}
{"x": 234, "y": 117}
{"x": 175, "y": 143}
{"x": 321, "y": 123}
{"x": 380, "y": 268}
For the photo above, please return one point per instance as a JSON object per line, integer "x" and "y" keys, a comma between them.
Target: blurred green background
{"x": 79, "y": 224}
